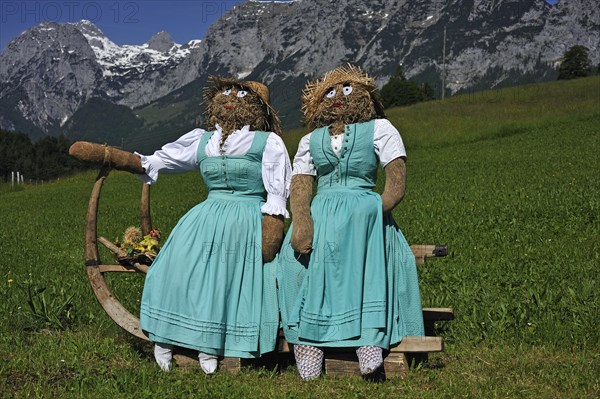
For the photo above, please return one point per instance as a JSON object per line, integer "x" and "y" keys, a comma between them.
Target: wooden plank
{"x": 231, "y": 364}
{"x": 341, "y": 363}
{"x": 438, "y": 314}
{"x": 431, "y": 315}
{"x": 338, "y": 361}
{"x": 136, "y": 267}
{"x": 395, "y": 365}
{"x": 283, "y": 346}
{"x": 187, "y": 358}
{"x": 411, "y": 344}
{"x": 116, "y": 268}
{"x": 346, "y": 363}
{"x": 112, "y": 247}
{"x": 419, "y": 344}
{"x": 423, "y": 252}
{"x": 408, "y": 344}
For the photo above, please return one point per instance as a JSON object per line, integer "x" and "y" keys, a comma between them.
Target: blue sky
{"x": 122, "y": 21}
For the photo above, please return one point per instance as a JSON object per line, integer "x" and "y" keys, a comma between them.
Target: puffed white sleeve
{"x": 303, "y": 162}
{"x": 276, "y": 175}
{"x": 178, "y": 156}
{"x": 387, "y": 141}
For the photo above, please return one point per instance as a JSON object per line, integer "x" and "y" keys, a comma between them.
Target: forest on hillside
{"x": 45, "y": 159}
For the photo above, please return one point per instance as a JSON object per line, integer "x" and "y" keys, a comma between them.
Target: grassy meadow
{"x": 509, "y": 179}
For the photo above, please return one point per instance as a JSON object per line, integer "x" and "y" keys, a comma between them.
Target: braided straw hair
{"x": 266, "y": 119}
{"x": 360, "y": 108}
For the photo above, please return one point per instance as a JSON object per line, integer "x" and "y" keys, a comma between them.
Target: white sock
{"x": 163, "y": 353}
{"x": 208, "y": 363}
{"x": 370, "y": 358}
{"x": 309, "y": 360}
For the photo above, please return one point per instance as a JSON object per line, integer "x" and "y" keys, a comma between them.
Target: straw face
{"x": 314, "y": 94}
{"x": 267, "y": 119}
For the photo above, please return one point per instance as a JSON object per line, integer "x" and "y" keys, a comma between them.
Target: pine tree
{"x": 575, "y": 64}
{"x": 400, "y": 91}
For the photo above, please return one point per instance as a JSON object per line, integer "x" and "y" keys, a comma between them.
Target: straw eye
{"x": 227, "y": 92}
{"x": 331, "y": 93}
{"x": 347, "y": 90}
{"x": 242, "y": 93}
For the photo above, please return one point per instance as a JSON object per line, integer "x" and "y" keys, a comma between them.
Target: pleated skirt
{"x": 359, "y": 286}
{"x": 208, "y": 289}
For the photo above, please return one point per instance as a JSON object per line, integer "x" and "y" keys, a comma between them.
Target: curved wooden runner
{"x": 94, "y": 266}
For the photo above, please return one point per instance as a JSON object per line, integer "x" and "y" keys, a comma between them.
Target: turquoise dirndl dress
{"x": 359, "y": 285}
{"x": 208, "y": 289}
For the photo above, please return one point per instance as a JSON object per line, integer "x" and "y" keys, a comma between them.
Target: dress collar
{"x": 245, "y": 129}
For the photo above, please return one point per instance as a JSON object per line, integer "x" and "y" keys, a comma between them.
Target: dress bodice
{"x": 356, "y": 165}
{"x": 239, "y": 174}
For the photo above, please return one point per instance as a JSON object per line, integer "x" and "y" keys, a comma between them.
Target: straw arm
{"x": 395, "y": 184}
{"x": 106, "y": 156}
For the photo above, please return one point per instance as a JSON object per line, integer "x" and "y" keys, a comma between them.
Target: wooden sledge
{"x": 337, "y": 362}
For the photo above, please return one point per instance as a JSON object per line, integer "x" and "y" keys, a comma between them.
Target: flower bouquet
{"x": 135, "y": 248}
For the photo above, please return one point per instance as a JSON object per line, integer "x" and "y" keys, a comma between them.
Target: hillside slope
{"x": 518, "y": 208}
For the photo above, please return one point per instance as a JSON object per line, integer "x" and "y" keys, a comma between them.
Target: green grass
{"x": 488, "y": 114}
{"x": 508, "y": 179}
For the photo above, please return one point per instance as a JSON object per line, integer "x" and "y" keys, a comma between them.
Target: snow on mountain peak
{"x": 88, "y": 28}
{"x": 119, "y": 60}
{"x": 194, "y": 43}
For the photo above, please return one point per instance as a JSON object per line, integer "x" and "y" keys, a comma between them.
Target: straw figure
{"x": 211, "y": 287}
{"x": 347, "y": 277}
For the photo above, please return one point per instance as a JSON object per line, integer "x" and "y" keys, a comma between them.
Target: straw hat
{"x": 216, "y": 84}
{"x": 314, "y": 91}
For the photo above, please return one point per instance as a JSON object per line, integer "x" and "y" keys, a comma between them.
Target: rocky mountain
{"x": 488, "y": 42}
{"x": 51, "y": 71}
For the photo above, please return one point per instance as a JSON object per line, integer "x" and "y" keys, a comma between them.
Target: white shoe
{"x": 163, "y": 353}
{"x": 208, "y": 363}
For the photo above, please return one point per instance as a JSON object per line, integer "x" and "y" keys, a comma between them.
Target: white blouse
{"x": 387, "y": 144}
{"x": 180, "y": 156}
